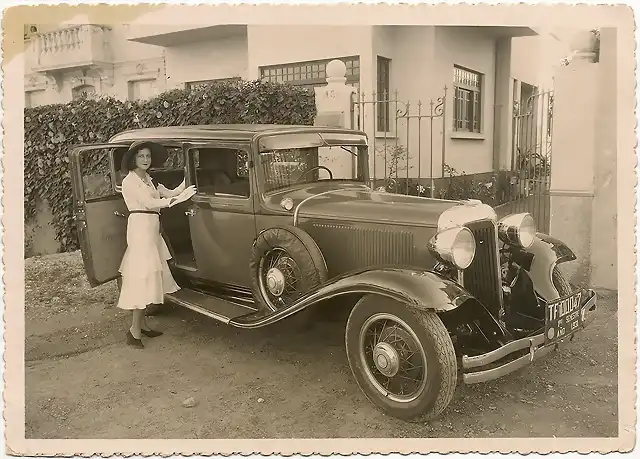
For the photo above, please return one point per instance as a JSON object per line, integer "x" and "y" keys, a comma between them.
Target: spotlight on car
{"x": 517, "y": 229}
{"x": 454, "y": 245}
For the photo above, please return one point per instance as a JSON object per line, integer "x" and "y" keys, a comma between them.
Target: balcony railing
{"x": 72, "y": 47}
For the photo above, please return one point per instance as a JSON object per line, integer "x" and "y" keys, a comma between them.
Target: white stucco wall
{"x": 525, "y": 58}
{"x": 130, "y": 51}
{"x": 535, "y": 60}
{"x": 384, "y": 43}
{"x": 272, "y": 45}
{"x": 422, "y": 64}
{"x": 411, "y": 50}
{"x": 473, "y": 49}
{"x": 604, "y": 248}
{"x": 207, "y": 60}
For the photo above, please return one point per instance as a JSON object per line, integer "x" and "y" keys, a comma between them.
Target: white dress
{"x": 144, "y": 269}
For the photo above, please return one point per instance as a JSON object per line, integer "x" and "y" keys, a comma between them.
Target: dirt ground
{"x": 82, "y": 381}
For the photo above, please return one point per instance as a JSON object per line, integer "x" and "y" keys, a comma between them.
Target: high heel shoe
{"x": 132, "y": 341}
{"x": 151, "y": 333}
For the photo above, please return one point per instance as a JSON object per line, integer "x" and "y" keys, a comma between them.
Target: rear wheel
{"x": 403, "y": 359}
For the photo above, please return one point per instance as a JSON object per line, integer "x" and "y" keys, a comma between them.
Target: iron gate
{"x": 531, "y": 159}
{"x": 398, "y": 129}
{"x": 409, "y": 151}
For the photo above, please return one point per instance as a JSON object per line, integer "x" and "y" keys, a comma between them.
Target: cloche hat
{"x": 159, "y": 154}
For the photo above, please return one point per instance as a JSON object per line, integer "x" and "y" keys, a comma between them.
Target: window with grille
{"x": 382, "y": 94}
{"x": 467, "y": 100}
{"x": 310, "y": 73}
{"x": 194, "y": 84}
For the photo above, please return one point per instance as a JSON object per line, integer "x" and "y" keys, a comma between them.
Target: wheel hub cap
{"x": 386, "y": 359}
{"x": 275, "y": 281}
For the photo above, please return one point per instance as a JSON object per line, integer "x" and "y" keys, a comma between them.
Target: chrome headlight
{"x": 517, "y": 229}
{"x": 454, "y": 245}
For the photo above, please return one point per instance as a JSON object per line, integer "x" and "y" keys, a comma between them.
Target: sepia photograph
{"x": 279, "y": 226}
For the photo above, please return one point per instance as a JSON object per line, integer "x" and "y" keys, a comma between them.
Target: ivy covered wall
{"x": 50, "y": 131}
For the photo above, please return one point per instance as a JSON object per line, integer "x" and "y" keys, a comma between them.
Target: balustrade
{"x": 71, "y": 47}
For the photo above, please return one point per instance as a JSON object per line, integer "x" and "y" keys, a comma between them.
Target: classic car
{"x": 436, "y": 292}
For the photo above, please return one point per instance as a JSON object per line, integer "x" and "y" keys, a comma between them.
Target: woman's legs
{"x": 144, "y": 325}
{"x": 137, "y": 323}
{"x": 146, "y": 330}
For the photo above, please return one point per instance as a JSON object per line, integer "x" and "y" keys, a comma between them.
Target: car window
{"x": 282, "y": 168}
{"x": 174, "y": 164}
{"x": 285, "y": 167}
{"x": 222, "y": 172}
{"x": 290, "y": 159}
{"x": 96, "y": 174}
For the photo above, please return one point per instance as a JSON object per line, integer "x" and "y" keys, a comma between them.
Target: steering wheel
{"x": 314, "y": 168}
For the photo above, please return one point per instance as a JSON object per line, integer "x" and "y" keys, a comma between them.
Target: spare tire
{"x": 285, "y": 264}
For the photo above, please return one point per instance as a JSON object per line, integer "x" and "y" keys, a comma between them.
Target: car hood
{"x": 359, "y": 203}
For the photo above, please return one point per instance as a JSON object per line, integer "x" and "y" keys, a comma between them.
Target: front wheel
{"x": 403, "y": 359}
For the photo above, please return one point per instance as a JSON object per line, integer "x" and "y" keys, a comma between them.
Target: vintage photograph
{"x": 309, "y": 231}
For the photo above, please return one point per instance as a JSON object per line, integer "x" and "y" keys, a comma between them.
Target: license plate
{"x": 563, "y": 317}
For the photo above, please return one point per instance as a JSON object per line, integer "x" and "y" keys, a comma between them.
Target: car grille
{"x": 482, "y": 278}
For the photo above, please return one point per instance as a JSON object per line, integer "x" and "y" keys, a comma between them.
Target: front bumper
{"x": 535, "y": 344}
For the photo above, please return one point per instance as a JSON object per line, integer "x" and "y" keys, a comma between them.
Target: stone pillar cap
{"x": 336, "y": 71}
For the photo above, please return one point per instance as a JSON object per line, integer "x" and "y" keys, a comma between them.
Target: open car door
{"x": 99, "y": 212}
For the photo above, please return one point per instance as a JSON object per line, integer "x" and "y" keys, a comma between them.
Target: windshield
{"x": 292, "y": 159}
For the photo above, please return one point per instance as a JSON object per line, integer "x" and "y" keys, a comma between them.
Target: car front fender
{"x": 539, "y": 261}
{"x": 421, "y": 289}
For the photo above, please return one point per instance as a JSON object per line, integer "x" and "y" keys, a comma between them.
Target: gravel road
{"x": 82, "y": 381}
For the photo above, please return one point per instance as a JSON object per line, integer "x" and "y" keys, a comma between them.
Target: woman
{"x": 144, "y": 269}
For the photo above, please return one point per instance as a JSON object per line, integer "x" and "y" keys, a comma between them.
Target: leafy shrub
{"x": 51, "y": 130}
{"x": 458, "y": 186}
{"x": 461, "y": 186}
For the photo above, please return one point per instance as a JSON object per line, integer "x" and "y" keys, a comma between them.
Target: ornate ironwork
{"x": 527, "y": 189}
{"x": 397, "y": 156}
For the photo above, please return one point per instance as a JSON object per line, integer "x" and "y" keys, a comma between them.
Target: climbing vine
{"x": 51, "y": 130}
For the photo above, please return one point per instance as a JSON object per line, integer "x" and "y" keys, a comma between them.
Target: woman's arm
{"x": 167, "y": 193}
{"x": 131, "y": 190}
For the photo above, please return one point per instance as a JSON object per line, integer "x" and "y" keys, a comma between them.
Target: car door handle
{"x": 190, "y": 212}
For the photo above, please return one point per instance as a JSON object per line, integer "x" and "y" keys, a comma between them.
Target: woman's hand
{"x": 188, "y": 192}
{"x": 184, "y": 196}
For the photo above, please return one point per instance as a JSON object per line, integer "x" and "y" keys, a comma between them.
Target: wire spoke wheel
{"x": 393, "y": 357}
{"x": 279, "y": 278}
{"x": 402, "y": 358}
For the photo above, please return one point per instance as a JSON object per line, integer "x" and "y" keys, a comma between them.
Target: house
{"x": 397, "y": 69}
{"x": 62, "y": 62}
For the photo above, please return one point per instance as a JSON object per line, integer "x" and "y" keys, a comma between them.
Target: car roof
{"x": 219, "y": 132}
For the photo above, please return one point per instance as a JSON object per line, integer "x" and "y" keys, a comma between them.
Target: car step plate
{"x": 216, "y": 308}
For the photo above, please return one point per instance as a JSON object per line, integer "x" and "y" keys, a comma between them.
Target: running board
{"x": 210, "y": 306}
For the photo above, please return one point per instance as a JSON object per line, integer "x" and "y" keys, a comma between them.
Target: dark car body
{"x": 360, "y": 244}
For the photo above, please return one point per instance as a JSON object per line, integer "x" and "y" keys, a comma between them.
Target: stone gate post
{"x": 583, "y": 147}
{"x": 333, "y": 103}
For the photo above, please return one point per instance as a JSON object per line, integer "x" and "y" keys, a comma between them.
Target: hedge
{"x": 51, "y": 130}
